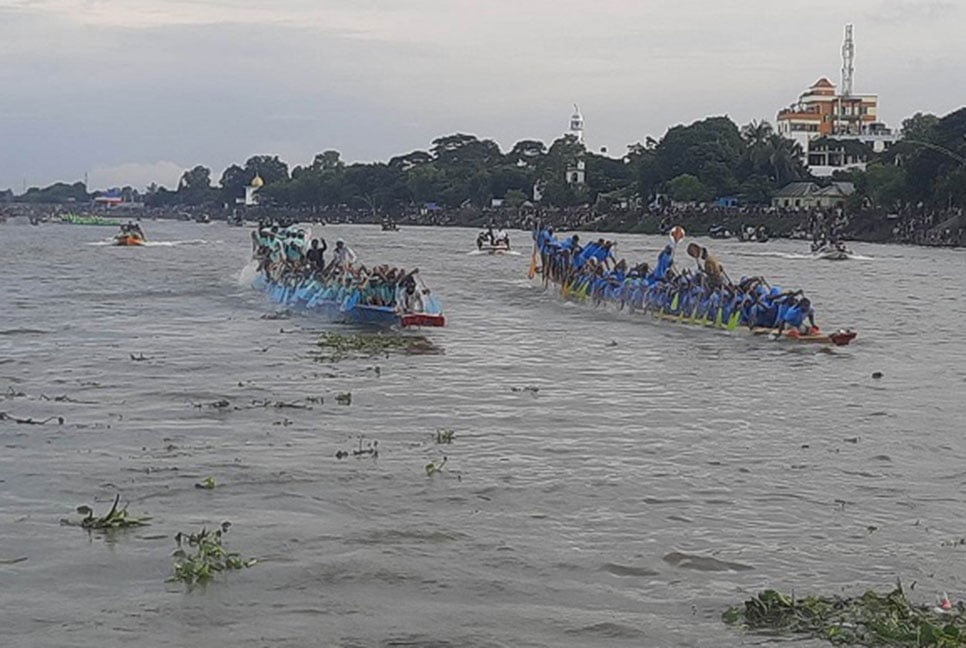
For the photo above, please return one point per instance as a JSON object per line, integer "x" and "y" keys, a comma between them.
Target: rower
{"x": 664, "y": 261}
{"x": 794, "y": 314}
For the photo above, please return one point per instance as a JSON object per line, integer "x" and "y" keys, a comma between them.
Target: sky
{"x": 136, "y": 91}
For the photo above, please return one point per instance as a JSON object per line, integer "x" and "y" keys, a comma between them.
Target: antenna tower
{"x": 848, "y": 62}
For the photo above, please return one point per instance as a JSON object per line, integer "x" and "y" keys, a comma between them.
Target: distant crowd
{"x": 914, "y": 225}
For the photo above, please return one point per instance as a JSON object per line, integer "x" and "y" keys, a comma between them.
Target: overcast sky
{"x": 132, "y": 91}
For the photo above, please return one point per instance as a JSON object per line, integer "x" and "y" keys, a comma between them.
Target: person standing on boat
{"x": 343, "y": 254}
{"x": 712, "y": 268}
{"x": 315, "y": 255}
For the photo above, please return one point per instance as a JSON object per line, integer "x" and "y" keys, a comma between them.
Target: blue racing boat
{"x": 339, "y": 303}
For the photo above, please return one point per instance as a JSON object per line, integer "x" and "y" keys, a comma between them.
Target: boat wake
{"x": 248, "y": 273}
{"x": 111, "y": 242}
{"x": 494, "y": 253}
{"x": 177, "y": 243}
{"x": 793, "y": 256}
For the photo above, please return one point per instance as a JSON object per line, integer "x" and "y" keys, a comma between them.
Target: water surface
{"x": 612, "y": 481}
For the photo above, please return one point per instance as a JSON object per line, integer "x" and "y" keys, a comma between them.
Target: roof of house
{"x": 796, "y": 190}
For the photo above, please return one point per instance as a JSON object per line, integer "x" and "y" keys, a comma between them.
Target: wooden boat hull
{"x": 840, "y": 337}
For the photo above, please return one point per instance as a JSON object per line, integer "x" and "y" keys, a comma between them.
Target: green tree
{"x": 328, "y": 161}
{"x": 920, "y": 126}
{"x": 268, "y": 167}
{"x": 687, "y": 188}
{"x": 194, "y": 188}
{"x": 233, "y": 181}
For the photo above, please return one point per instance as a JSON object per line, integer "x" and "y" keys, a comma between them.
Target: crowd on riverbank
{"x": 916, "y": 225}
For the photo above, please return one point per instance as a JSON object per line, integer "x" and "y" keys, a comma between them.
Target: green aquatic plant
{"x": 116, "y": 518}
{"x": 201, "y": 555}
{"x": 345, "y": 398}
{"x": 444, "y": 436}
{"x": 208, "y": 483}
{"x": 434, "y": 467}
{"x": 872, "y": 619}
{"x": 338, "y": 346}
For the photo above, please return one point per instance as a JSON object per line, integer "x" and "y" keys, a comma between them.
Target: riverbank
{"x": 917, "y": 226}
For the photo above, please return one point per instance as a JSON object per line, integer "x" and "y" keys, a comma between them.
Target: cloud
{"x": 136, "y": 174}
{"x": 904, "y": 11}
{"x": 102, "y": 83}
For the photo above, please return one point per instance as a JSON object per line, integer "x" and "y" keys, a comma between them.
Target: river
{"x": 611, "y": 480}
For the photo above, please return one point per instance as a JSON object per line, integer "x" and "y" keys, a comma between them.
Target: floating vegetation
{"x": 345, "y": 398}
{"x": 529, "y": 388}
{"x": 207, "y": 484}
{"x": 66, "y": 399}
{"x": 338, "y": 346}
{"x": 201, "y": 555}
{"x": 218, "y": 404}
{"x": 434, "y": 467}
{"x": 444, "y": 436}
{"x": 278, "y": 315}
{"x": 872, "y": 619}
{"x": 370, "y": 449}
{"x": 29, "y": 421}
{"x": 116, "y": 518}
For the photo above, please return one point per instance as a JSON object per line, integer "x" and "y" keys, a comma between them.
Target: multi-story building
{"x": 836, "y": 131}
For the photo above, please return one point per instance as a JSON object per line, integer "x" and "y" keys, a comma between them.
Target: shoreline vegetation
{"x": 711, "y": 172}
{"x": 916, "y": 226}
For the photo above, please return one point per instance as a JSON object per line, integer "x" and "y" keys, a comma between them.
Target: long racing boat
{"x": 338, "y": 303}
{"x": 662, "y": 300}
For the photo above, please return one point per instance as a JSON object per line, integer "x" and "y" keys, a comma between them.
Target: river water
{"x": 611, "y": 480}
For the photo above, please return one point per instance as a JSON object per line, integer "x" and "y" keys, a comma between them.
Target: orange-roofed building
{"x": 822, "y": 119}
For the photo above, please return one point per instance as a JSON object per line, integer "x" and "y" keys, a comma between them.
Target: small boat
{"x": 389, "y": 226}
{"x": 490, "y": 248}
{"x": 130, "y": 234}
{"x": 128, "y": 238}
{"x": 832, "y": 252}
{"x": 753, "y": 234}
{"x": 719, "y": 232}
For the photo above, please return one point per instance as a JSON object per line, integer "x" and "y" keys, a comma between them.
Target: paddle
{"x": 533, "y": 261}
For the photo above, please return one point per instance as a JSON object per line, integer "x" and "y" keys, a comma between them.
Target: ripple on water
{"x": 576, "y": 463}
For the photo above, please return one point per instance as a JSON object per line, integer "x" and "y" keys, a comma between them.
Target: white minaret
{"x": 576, "y": 170}
{"x": 577, "y": 124}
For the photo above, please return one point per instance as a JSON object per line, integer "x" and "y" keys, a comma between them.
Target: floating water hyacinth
{"x": 201, "y": 555}
{"x": 872, "y": 619}
{"x": 116, "y": 518}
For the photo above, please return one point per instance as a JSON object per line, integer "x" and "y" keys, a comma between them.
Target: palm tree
{"x": 784, "y": 159}
{"x": 756, "y": 133}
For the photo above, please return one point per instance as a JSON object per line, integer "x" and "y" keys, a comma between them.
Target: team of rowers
{"x": 297, "y": 265}
{"x": 706, "y": 294}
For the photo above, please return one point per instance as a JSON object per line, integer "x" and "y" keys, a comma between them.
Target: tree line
{"x": 699, "y": 162}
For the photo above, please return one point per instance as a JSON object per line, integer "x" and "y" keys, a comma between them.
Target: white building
{"x": 576, "y": 170}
